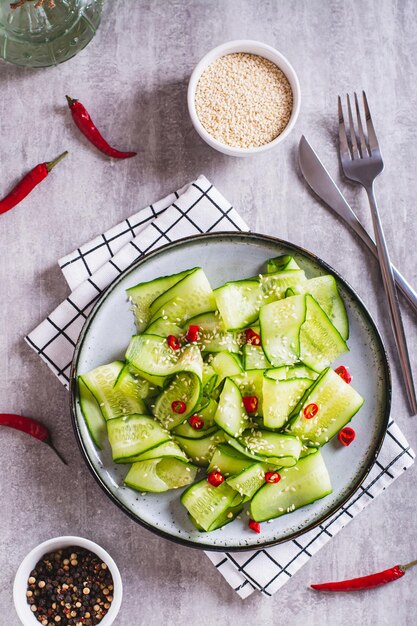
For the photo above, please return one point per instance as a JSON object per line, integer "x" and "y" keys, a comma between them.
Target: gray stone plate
{"x": 232, "y": 256}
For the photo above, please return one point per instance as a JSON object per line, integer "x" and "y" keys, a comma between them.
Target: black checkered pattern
{"x": 84, "y": 261}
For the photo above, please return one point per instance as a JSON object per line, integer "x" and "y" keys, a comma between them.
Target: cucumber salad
{"x": 229, "y": 392}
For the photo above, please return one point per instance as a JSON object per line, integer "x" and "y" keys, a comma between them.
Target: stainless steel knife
{"x": 326, "y": 189}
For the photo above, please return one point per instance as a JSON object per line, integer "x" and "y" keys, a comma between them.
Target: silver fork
{"x": 362, "y": 162}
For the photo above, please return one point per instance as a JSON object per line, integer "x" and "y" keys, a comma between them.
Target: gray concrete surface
{"x": 133, "y": 78}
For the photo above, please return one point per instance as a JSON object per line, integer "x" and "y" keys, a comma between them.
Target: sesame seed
{"x": 244, "y": 100}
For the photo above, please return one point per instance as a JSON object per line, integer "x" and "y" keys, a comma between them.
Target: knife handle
{"x": 406, "y": 289}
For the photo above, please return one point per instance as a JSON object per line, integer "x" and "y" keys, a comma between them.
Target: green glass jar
{"x": 44, "y": 36}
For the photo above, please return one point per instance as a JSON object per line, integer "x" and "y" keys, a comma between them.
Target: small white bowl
{"x": 27, "y": 565}
{"x": 251, "y": 47}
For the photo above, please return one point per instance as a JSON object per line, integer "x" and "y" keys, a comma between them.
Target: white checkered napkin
{"x": 200, "y": 208}
{"x": 84, "y": 261}
{"x": 268, "y": 570}
{"x": 196, "y": 208}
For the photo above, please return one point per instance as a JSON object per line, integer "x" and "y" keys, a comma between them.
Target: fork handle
{"x": 406, "y": 289}
{"x": 391, "y": 293}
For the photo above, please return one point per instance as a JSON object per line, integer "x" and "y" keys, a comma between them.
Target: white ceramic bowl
{"x": 251, "y": 47}
{"x": 27, "y": 565}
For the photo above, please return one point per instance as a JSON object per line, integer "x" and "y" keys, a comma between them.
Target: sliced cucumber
{"x": 295, "y": 371}
{"x": 280, "y": 397}
{"x": 185, "y": 387}
{"x": 168, "y": 448}
{"x": 231, "y": 415}
{"x": 185, "y": 430}
{"x": 324, "y": 290}
{"x": 307, "y": 450}
{"x": 209, "y": 379}
{"x": 159, "y": 475}
{"x": 271, "y": 447}
{"x": 163, "y": 328}
{"x": 302, "y": 325}
{"x": 274, "y": 286}
{"x": 249, "y": 454}
{"x": 250, "y": 383}
{"x": 302, "y": 484}
{"x": 320, "y": 342}
{"x": 228, "y": 460}
{"x": 132, "y": 435}
{"x": 92, "y": 414}
{"x": 238, "y": 303}
{"x": 114, "y": 400}
{"x": 249, "y": 480}
{"x": 207, "y": 413}
{"x": 142, "y": 295}
{"x": 281, "y": 263}
{"x": 200, "y": 450}
{"x": 225, "y": 365}
{"x": 280, "y": 329}
{"x": 225, "y": 518}
{"x": 207, "y": 504}
{"x": 337, "y": 403}
{"x": 212, "y": 336}
{"x": 143, "y": 388}
{"x": 207, "y": 409}
{"x": 254, "y": 357}
{"x": 154, "y": 359}
{"x": 188, "y": 297}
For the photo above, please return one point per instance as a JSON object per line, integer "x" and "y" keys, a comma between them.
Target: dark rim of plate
{"x": 243, "y": 237}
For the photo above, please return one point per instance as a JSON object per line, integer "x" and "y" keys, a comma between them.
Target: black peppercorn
{"x": 67, "y": 585}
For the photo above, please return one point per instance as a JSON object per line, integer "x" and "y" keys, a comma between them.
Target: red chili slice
{"x": 193, "y": 333}
{"x": 173, "y": 342}
{"x": 346, "y": 436}
{"x": 250, "y": 403}
{"x": 255, "y": 526}
{"x": 311, "y": 410}
{"x": 343, "y": 373}
{"x": 178, "y": 406}
{"x": 215, "y": 478}
{"x": 272, "y": 477}
{"x": 252, "y": 337}
{"x": 196, "y": 422}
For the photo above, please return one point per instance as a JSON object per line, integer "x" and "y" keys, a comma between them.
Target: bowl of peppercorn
{"x": 67, "y": 581}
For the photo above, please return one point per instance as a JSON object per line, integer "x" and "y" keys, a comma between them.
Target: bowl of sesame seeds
{"x": 243, "y": 98}
{"x": 67, "y": 581}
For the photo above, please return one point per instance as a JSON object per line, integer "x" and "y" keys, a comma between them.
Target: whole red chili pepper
{"x": 83, "y": 121}
{"x": 366, "y": 582}
{"x": 30, "y": 426}
{"x": 28, "y": 182}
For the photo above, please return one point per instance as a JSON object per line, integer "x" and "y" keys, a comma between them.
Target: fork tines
{"x": 355, "y": 144}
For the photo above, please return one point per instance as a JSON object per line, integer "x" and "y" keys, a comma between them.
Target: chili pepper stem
{"x": 59, "y": 455}
{"x": 408, "y": 565}
{"x": 51, "y": 164}
{"x": 70, "y": 101}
